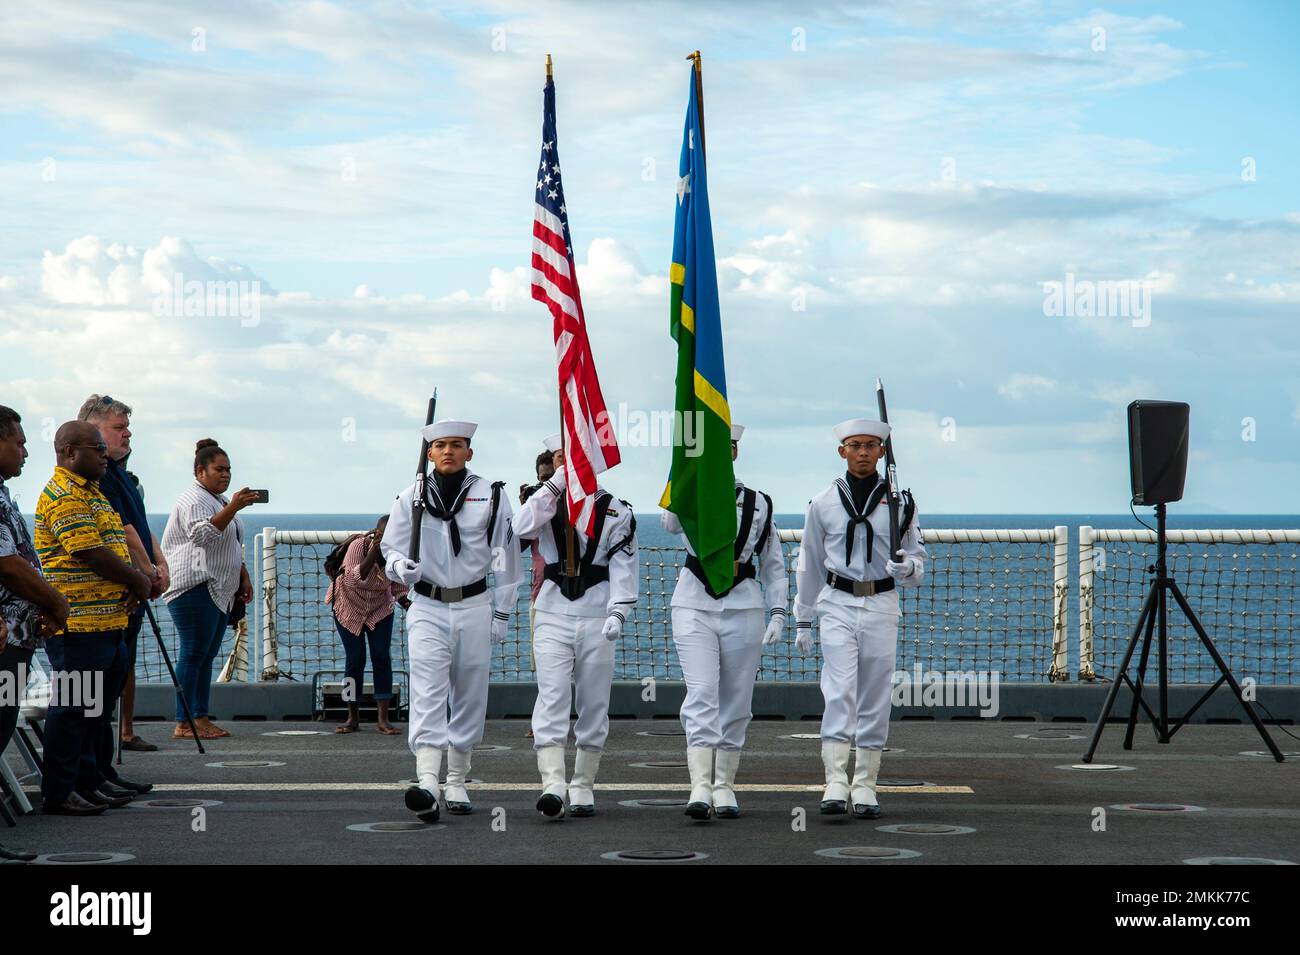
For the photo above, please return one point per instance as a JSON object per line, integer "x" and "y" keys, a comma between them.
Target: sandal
{"x": 346, "y": 728}
{"x": 182, "y": 731}
{"x": 209, "y": 729}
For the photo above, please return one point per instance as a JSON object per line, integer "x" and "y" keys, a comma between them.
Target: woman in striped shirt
{"x": 362, "y": 598}
{"x": 204, "y": 547}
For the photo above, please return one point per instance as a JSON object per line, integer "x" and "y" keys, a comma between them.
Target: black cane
{"x": 185, "y": 704}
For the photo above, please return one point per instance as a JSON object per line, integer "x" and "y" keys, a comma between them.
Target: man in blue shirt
{"x": 119, "y": 485}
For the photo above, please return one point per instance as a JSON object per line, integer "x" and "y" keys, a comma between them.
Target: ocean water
{"x": 651, "y": 534}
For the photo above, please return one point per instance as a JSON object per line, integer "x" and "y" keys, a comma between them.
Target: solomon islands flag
{"x": 701, "y": 487}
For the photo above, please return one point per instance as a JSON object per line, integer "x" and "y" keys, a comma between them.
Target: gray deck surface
{"x": 1023, "y": 808}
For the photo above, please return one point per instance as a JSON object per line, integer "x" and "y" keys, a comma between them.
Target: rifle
{"x": 891, "y": 477}
{"x": 421, "y": 475}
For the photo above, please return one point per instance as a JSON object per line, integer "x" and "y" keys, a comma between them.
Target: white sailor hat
{"x": 736, "y": 431}
{"x": 449, "y": 429}
{"x": 553, "y": 443}
{"x": 847, "y": 429}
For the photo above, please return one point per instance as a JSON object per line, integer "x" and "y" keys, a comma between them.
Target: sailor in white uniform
{"x": 454, "y": 619}
{"x": 719, "y": 639}
{"x": 578, "y": 619}
{"x": 846, "y": 576}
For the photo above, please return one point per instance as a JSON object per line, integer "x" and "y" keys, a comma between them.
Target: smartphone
{"x": 263, "y": 495}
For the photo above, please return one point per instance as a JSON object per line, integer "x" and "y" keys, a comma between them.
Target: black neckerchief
{"x": 861, "y": 487}
{"x": 858, "y": 509}
{"x": 447, "y": 487}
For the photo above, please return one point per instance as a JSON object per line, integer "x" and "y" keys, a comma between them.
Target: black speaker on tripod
{"x": 1157, "y": 450}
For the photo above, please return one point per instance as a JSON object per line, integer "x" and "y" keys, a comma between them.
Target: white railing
{"x": 987, "y": 603}
{"x": 1244, "y": 583}
{"x": 1058, "y": 537}
{"x": 1278, "y": 569}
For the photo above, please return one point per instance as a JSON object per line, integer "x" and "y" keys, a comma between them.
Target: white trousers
{"x": 571, "y": 651}
{"x": 450, "y": 652}
{"x": 719, "y": 652}
{"x": 858, "y": 651}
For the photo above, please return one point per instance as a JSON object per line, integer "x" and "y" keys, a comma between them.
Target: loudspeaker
{"x": 1157, "y": 450}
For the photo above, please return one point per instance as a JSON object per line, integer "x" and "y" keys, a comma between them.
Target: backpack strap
{"x": 748, "y": 504}
{"x": 559, "y": 520}
{"x": 767, "y": 526}
{"x": 909, "y": 512}
{"x": 597, "y": 528}
{"x": 492, "y": 512}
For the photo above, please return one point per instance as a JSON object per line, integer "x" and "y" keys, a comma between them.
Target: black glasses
{"x": 102, "y": 448}
{"x": 105, "y": 401}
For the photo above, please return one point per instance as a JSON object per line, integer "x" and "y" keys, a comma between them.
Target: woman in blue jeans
{"x": 204, "y": 544}
{"x": 363, "y": 598}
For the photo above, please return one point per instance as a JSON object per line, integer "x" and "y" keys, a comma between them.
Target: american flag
{"x": 589, "y": 443}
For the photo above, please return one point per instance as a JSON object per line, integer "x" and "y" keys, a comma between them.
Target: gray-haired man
{"x": 113, "y": 419}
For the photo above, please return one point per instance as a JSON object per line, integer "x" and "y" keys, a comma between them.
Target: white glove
{"x": 775, "y": 627}
{"x": 900, "y": 570}
{"x": 499, "y": 622}
{"x": 407, "y": 571}
{"x": 803, "y": 637}
{"x": 613, "y": 628}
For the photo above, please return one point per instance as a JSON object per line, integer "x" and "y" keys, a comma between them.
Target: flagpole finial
{"x": 696, "y": 57}
{"x": 548, "y": 66}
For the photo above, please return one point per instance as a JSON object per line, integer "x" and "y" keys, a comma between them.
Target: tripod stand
{"x": 1155, "y": 612}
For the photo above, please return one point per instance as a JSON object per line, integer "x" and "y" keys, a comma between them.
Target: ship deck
{"x": 1002, "y": 779}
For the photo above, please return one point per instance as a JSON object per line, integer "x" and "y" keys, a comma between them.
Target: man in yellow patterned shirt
{"x": 82, "y": 548}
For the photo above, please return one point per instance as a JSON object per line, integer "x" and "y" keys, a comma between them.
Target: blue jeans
{"x": 381, "y": 656}
{"x": 73, "y": 734}
{"x": 199, "y": 628}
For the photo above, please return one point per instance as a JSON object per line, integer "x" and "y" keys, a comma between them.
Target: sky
{"x": 902, "y": 190}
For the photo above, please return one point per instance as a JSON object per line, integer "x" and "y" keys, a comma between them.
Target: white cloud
{"x": 403, "y": 217}
{"x": 92, "y": 271}
{"x": 612, "y": 268}
{"x": 1021, "y": 386}
{"x": 1128, "y": 51}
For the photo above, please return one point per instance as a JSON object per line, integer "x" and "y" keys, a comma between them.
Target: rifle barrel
{"x": 421, "y": 474}
{"x": 891, "y": 475}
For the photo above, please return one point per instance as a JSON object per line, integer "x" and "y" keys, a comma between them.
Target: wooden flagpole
{"x": 570, "y": 568}
{"x": 699, "y": 95}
